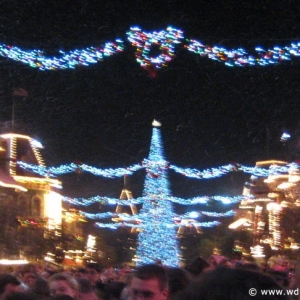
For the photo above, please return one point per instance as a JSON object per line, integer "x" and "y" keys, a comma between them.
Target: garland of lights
{"x": 84, "y": 57}
{"x": 73, "y": 167}
{"x": 141, "y": 200}
{"x": 165, "y": 40}
{"x": 139, "y": 217}
{"x": 167, "y": 225}
{"x": 192, "y": 173}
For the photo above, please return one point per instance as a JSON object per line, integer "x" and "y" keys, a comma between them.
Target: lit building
{"x": 33, "y": 199}
{"x": 270, "y": 199}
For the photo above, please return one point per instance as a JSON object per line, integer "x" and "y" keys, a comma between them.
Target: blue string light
{"x": 188, "y": 172}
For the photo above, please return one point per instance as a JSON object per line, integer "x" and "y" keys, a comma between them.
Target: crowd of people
{"x": 215, "y": 278}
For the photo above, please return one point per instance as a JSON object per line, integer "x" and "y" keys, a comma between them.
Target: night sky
{"x": 101, "y": 115}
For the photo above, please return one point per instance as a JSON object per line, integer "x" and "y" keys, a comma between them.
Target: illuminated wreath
{"x": 145, "y": 43}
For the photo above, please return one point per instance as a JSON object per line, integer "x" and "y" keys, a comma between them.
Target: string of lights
{"x": 73, "y": 167}
{"x": 66, "y": 60}
{"x": 140, "y": 200}
{"x": 165, "y": 41}
{"x": 164, "y": 226}
{"x": 92, "y": 200}
{"x": 240, "y": 57}
{"x": 229, "y": 213}
{"x": 111, "y": 173}
{"x": 156, "y": 166}
{"x": 139, "y": 217}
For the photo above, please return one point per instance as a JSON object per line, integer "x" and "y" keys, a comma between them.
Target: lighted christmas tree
{"x": 157, "y": 239}
{"x": 158, "y": 225}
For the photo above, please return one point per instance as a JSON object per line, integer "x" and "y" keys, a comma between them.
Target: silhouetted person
{"x": 8, "y": 284}
{"x": 197, "y": 266}
{"x": 178, "y": 280}
{"x": 86, "y": 290}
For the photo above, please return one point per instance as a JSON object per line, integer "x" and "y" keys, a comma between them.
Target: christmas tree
{"x": 157, "y": 239}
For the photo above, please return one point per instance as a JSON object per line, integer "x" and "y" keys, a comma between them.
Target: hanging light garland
{"x": 166, "y": 225}
{"x": 240, "y": 57}
{"x": 141, "y": 200}
{"x": 75, "y": 167}
{"x": 154, "y": 50}
{"x": 157, "y": 165}
{"x": 139, "y": 217}
{"x": 66, "y": 60}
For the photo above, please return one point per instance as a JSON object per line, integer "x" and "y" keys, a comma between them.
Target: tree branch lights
{"x": 146, "y": 43}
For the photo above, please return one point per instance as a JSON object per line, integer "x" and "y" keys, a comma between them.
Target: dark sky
{"x": 101, "y": 115}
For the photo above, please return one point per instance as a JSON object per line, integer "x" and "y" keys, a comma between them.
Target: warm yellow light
{"x": 273, "y": 206}
{"x": 273, "y": 195}
{"x": 294, "y": 246}
{"x": 271, "y": 162}
{"x": 91, "y": 242}
{"x": 47, "y": 258}
{"x": 269, "y": 180}
{"x": 257, "y": 251}
{"x": 262, "y": 200}
{"x": 37, "y": 180}
{"x": 13, "y": 186}
{"x": 294, "y": 178}
{"x": 15, "y": 135}
{"x": 13, "y": 262}
{"x": 285, "y": 185}
{"x": 53, "y": 210}
{"x": 238, "y": 223}
{"x": 258, "y": 209}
